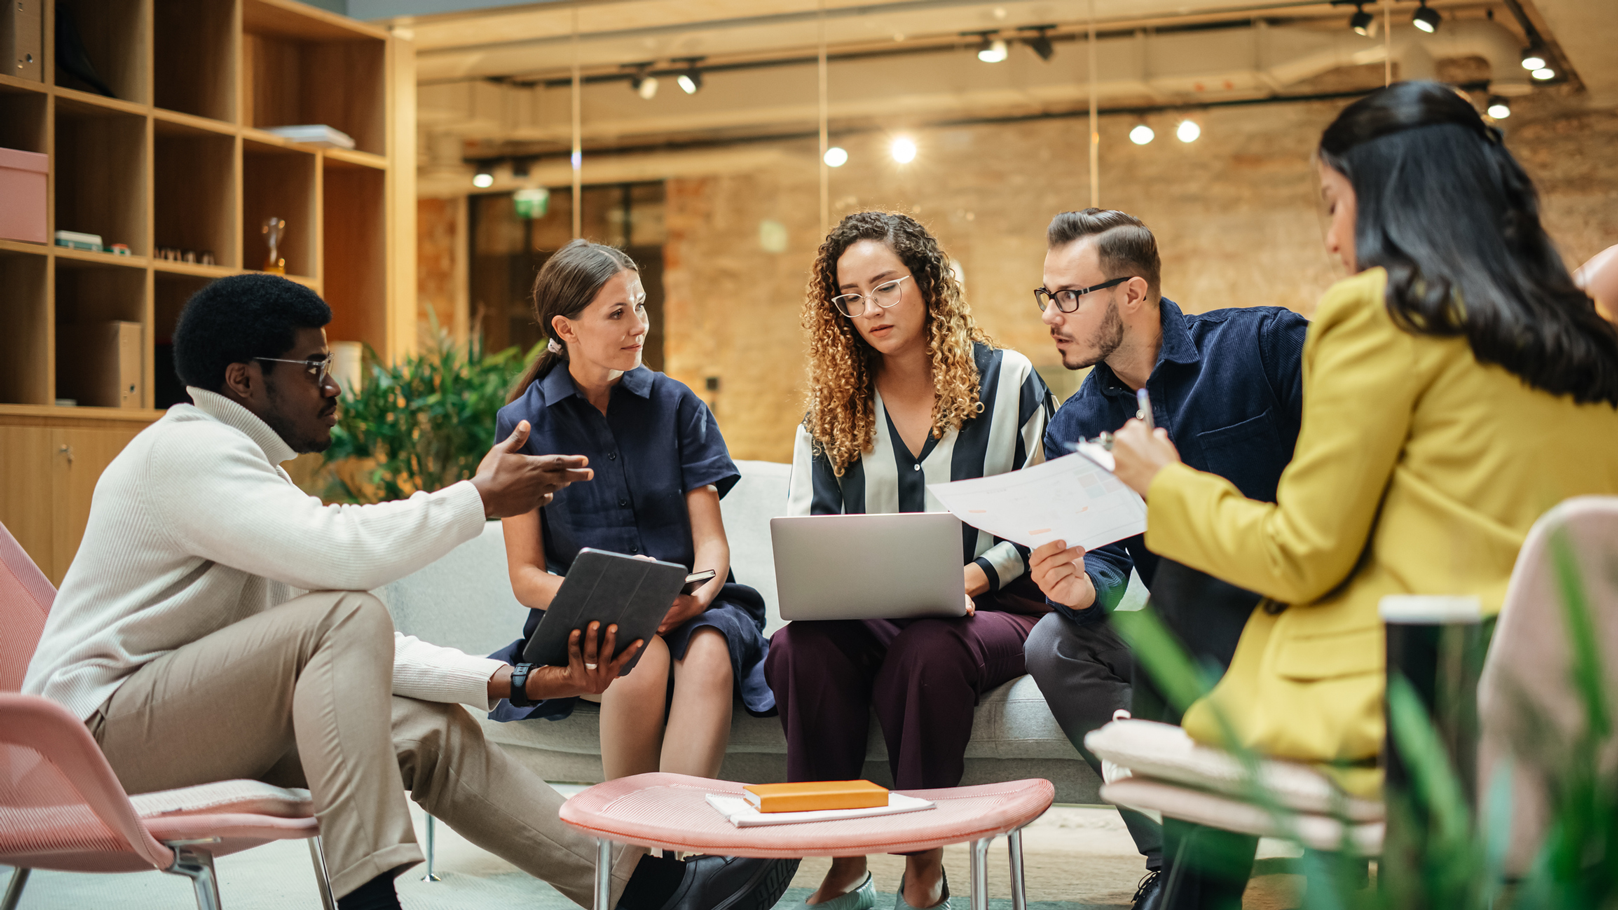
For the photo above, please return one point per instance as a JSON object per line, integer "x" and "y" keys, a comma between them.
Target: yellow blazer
{"x": 1418, "y": 470}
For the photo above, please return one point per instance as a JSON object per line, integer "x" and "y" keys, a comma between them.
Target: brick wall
{"x": 1235, "y": 214}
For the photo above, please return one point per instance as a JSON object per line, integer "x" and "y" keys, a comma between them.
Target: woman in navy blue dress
{"x": 660, "y": 468}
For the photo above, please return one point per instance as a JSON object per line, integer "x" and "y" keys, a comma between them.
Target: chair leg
{"x": 1019, "y": 892}
{"x": 980, "y": 873}
{"x": 317, "y": 855}
{"x": 19, "y": 879}
{"x": 197, "y": 866}
{"x": 603, "y": 899}
{"x": 432, "y": 832}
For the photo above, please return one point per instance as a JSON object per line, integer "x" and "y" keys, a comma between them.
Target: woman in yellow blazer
{"x": 1454, "y": 389}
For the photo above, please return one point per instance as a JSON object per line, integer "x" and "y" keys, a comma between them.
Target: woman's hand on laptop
{"x": 1059, "y": 571}
{"x": 589, "y": 670}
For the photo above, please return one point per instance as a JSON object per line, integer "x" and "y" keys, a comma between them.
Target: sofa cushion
{"x": 1012, "y": 721}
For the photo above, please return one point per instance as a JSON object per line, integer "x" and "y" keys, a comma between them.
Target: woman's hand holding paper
{"x": 1139, "y": 453}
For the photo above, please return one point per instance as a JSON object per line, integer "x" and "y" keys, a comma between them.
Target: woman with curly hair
{"x": 905, "y": 390}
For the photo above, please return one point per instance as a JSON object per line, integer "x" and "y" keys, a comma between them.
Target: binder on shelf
{"x": 22, "y": 39}
{"x": 99, "y": 364}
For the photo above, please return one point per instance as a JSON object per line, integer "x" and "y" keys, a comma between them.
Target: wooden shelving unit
{"x": 182, "y": 158}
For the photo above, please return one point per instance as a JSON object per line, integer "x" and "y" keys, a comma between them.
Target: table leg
{"x": 980, "y": 873}
{"x": 603, "y": 874}
{"x": 1019, "y": 894}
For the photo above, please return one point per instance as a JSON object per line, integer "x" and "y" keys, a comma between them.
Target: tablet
{"x": 607, "y": 588}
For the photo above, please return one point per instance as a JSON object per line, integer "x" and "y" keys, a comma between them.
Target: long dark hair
{"x": 1454, "y": 219}
{"x": 565, "y": 285}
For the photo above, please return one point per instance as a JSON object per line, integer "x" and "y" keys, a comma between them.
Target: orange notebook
{"x": 813, "y": 795}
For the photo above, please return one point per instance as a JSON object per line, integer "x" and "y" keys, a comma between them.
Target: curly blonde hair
{"x": 841, "y": 414}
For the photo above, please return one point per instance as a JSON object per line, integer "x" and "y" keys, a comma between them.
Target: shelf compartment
{"x": 25, "y": 368}
{"x": 292, "y": 61}
{"x": 117, "y": 39}
{"x": 194, "y": 57}
{"x": 23, "y": 120}
{"x": 100, "y": 169}
{"x": 87, "y": 297}
{"x": 170, "y": 293}
{"x": 195, "y": 174}
{"x": 356, "y": 267}
{"x": 282, "y": 183}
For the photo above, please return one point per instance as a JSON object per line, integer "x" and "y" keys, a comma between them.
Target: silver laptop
{"x": 868, "y": 566}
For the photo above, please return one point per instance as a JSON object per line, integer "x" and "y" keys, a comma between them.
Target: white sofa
{"x": 464, "y": 600}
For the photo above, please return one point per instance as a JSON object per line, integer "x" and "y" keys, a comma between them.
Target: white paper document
{"x": 1071, "y": 498}
{"x": 743, "y": 814}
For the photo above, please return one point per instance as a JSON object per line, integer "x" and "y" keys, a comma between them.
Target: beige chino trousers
{"x": 301, "y": 696}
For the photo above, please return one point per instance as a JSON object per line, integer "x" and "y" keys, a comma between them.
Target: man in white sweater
{"x": 184, "y": 636}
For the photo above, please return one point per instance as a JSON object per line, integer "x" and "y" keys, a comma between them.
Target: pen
{"x": 1144, "y": 402}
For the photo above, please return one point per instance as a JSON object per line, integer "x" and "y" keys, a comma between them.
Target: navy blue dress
{"x": 657, "y": 442}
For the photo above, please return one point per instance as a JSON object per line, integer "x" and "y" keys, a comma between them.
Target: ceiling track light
{"x": 1188, "y": 131}
{"x": 519, "y": 168}
{"x": 1426, "y": 18}
{"x": 1544, "y": 74}
{"x": 1142, "y": 134}
{"x": 690, "y": 79}
{"x": 644, "y": 83}
{"x": 484, "y": 178}
{"x": 1498, "y": 108}
{"x": 1039, "y": 43}
{"x": 993, "y": 50}
{"x": 1534, "y": 58}
{"x": 1362, "y": 22}
{"x": 836, "y": 156}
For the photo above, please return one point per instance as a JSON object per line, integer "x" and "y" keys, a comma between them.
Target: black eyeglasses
{"x": 1067, "y": 300}
{"x": 320, "y": 369}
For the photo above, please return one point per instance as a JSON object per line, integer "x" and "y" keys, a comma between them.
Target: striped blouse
{"x": 1006, "y": 436}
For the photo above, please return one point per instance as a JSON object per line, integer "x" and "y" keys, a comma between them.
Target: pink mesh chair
{"x": 61, "y": 806}
{"x": 671, "y": 811}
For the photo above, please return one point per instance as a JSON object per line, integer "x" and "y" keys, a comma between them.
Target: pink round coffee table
{"x": 670, "y": 811}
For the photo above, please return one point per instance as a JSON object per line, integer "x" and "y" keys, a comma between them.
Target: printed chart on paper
{"x": 1071, "y": 498}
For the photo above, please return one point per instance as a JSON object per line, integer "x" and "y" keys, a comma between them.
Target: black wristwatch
{"x": 519, "y": 687}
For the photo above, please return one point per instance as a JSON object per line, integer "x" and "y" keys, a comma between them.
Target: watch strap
{"x": 519, "y": 686}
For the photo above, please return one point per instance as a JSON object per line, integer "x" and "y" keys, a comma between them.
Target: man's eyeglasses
{"x": 1067, "y": 300}
{"x": 318, "y": 368}
{"x": 883, "y": 295}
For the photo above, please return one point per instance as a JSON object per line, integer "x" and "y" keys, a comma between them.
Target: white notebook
{"x": 739, "y": 812}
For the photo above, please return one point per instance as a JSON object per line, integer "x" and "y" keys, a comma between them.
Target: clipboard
{"x": 608, "y": 588}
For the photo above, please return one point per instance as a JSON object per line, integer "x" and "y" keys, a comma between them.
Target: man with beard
{"x": 215, "y": 626}
{"x": 1226, "y": 385}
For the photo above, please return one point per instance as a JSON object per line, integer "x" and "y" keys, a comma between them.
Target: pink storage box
{"x": 22, "y": 195}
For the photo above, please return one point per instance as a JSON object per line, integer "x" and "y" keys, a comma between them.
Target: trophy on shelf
{"x": 274, "y": 228}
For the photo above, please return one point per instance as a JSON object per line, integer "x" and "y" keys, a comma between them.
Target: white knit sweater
{"x": 195, "y": 526}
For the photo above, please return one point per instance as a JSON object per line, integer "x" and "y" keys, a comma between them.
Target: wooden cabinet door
{"x": 26, "y": 510}
{"x": 78, "y": 455}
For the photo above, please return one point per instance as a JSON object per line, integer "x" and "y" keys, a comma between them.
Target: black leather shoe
{"x": 732, "y": 883}
{"x": 1149, "y": 894}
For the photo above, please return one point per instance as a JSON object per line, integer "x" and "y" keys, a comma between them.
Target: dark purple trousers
{"x": 923, "y": 676}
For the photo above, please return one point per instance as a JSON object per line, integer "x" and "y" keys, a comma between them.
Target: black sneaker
{"x": 1149, "y": 893}
{"x": 732, "y": 883}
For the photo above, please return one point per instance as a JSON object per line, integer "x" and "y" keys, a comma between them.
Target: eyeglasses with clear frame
{"x": 884, "y": 295}
{"x": 320, "y": 369}
{"x": 1067, "y": 300}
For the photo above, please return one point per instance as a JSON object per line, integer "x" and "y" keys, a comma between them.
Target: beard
{"x": 299, "y": 441}
{"x": 1109, "y": 337}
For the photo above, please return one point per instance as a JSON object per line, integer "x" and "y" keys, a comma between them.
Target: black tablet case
{"x": 609, "y": 588}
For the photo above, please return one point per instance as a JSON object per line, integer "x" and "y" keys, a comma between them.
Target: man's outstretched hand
{"x": 515, "y": 484}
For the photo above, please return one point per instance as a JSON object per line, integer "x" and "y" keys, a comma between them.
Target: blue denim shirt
{"x": 1228, "y": 387}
